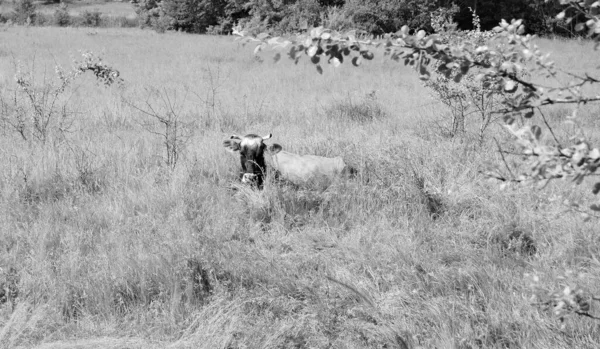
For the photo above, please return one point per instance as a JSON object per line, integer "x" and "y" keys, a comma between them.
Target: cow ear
{"x": 232, "y": 145}
{"x": 274, "y": 148}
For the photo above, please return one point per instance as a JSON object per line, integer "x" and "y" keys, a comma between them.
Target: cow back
{"x": 306, "y": 169}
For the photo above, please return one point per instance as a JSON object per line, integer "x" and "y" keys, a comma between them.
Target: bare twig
{"x": 549, "y": 128}
{"x": 503, "y": 158}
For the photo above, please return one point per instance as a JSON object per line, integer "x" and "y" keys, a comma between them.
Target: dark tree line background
{"x": 373, "y": 16}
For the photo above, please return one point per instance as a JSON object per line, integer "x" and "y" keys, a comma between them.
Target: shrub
{"x": 379, "y": 17}
{"x": 337, "y": 18}
{"x": 299, "y": 15}
{"x": 218, "y": 29}
{"x": 91, "y": 18}
{"x": 193, "y": 16}
{"x": 40, "y": 112}
{"x": 62, "y": 18}
{"x": 25, "y": 12}
{"x": 462, "y": 92}
{"x": 166, "y": 115}
{"x": 161, "y": 24}
{"x": 42, "y": 19}
{"x": 8, "y": 18}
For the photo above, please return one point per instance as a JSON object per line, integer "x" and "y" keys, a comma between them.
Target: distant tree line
{"x": 372, "y": 16}
{"x": 32, "y": 12}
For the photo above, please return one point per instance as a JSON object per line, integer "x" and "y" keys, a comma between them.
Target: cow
{"x": 301, "y": 170}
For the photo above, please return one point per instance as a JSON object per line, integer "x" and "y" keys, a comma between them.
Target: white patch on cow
{"x": 251, "y": 142}
{"x": 307, "y": 169}
{"x": 248, "y": 177}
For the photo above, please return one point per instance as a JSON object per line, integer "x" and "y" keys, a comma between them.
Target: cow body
{"x": 306, "y": 169}
{"x": 302, "y": 170}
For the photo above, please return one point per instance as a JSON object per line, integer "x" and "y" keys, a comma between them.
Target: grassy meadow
{"x": 104, "y": 245}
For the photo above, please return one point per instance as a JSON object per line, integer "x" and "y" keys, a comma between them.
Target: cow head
{"x": 251, "y": 149}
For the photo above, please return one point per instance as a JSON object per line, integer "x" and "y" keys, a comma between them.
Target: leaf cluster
{"x": 569, "y": 300}
{"x": 102, "y": 71}
{"x": 318, "y": 44}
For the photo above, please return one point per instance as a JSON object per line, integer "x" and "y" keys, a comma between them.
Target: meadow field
{"x": 103, "y": 244}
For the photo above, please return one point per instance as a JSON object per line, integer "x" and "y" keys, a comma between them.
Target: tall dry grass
{"x": 112, "y": 248}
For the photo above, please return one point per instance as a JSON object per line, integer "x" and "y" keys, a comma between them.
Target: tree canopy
{"x": 373, "y": 16}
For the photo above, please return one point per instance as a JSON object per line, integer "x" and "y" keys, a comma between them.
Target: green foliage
{"x": 103, "y": 72}
{"x": 295, "y": 16}
{"x": 40, "y": 112}
{"x": 536, "y": 14}
{"x": 62, "y": 18}
{"x": 379, "y": 17}
{"x": 463, "y": 94}
{"x": 25, "y": 12}
{"x": 194, "y": 16}
{"x": 337, "y": 18}
{"x": 91, "y": 18}
{"x": 372, "y": 16}
{"x": 387, "y": 16}
{"x": 375, "y": 17}
{"x": 571, "y": 299}
{"x": 191, "y": 15}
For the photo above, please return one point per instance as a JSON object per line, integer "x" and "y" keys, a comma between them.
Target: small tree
{"x": 462, "y": 93}
{"x": 162, "y": 109}
{"x": 92, "y": 18}
{"x": 25, "y": 11}
{"x": 62, "y": 18}
{"x": 41, "y": 111}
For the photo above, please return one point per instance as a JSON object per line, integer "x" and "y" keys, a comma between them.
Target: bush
{"x": 220, "y": 29}
{"x": 8, "y": 18}
{"x": 25, "y": 12}
{"x": 299, "y": 15}
{"x": 337, "y": 18}
{"x": 161, "y": 24}
{"x": 462, "y": 93}
{"x": 91, "y": 18}
{"x": 388, "y": 16}
{"x": 62, "y": 18}
{"x": 194, "y": 16}
{"x": 42, "y": 19}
